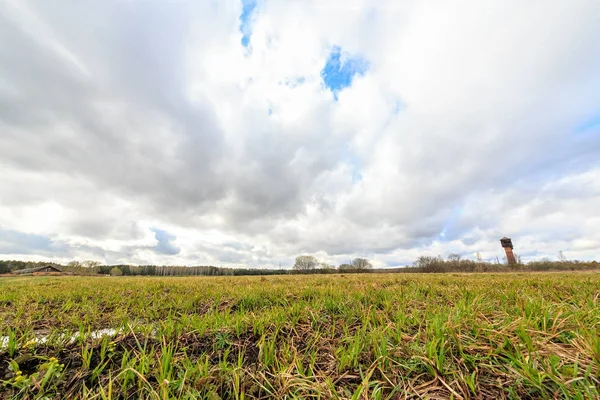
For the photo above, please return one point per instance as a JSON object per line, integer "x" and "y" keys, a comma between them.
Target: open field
{"x": 322, "y": 336}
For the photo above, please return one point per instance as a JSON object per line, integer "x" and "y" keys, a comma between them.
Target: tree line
{"x": 455, "y": 263}
{"x": 308, "y": 264}
{"x": 303, "y": 264}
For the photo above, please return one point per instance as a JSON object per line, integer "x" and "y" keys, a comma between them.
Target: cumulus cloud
{"x": 253, "y": 131}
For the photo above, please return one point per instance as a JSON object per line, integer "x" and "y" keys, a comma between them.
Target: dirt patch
{"x": 216, "y": 344}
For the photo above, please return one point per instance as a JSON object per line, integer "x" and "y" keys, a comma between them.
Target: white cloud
{"x": 120, "y": 118}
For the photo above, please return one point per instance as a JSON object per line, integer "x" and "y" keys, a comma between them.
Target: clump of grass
{"x": 381, "y": 336}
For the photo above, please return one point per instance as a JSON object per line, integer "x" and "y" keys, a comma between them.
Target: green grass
{"x": 380, "y": 336}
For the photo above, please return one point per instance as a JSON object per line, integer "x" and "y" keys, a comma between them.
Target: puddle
{"x": 100, "y": 333}
{"x": 42, "y": 337}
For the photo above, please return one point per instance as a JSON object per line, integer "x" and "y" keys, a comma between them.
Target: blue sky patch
{"x": 294, "y": 82}
{"x": 165, "y": 245}
{"x": 449, "y": 232}
{"x": 340, "y": 69}
{"x": 589, "y": 124}
{"x": 351, "y": 159}
{"x": 248, "y": 7}
{"x": 397, "y": 106}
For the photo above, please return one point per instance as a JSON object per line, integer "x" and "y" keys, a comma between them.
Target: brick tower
{"x": 508, "y": 246}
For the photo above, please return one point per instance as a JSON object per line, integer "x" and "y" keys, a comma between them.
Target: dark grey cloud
{"x": 14, "y": 242}
{"x": 64, "y": 120}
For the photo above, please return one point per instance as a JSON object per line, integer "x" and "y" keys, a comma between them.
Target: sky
{"x": 244, "y": 133}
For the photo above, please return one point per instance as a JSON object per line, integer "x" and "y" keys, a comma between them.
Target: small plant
{"x": 222, "y": 340}
{"x": 40, "y": 382}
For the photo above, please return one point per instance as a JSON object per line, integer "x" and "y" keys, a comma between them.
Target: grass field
{"x": 381, "y": 336}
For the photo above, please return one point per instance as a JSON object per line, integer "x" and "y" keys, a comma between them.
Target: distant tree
{"x": 479, "y": 257}
{"x": 116, "y": 271}
{"x": 326, "y": 266}
{"x": 561, "y": 256}
{"x": 430, "y": 264}
{"x": 454, "y": 257}
{"x": 305, "y": 263}
{"x": 75, "y": 264}
{"x": 90, "y": 264}
{"x": 343, "y": 267}
{"x": 361, "y": 263}
{"x": 4, "y": 267}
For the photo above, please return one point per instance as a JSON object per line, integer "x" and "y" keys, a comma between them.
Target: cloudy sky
{"x": 244, "y": 133}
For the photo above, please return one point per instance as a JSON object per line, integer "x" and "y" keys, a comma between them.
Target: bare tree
{"x": 91, "y": 264}
{"x": 75, "y": 264}
{"x": 361, "y": 263}
{"x": 305, "y": 263}
{"x": 326, "y": 266}
{"x": 561, "y": 256}
{"x": 454, "y": 257}
{"x": 430, "y": 264}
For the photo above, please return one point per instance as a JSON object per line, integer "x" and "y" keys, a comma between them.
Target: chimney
{"x": 508, "y": 246}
